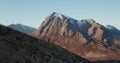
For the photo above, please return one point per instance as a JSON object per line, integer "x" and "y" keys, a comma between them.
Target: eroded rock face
{"x": 85, "y": 38}
{"x": 16, "y": 47}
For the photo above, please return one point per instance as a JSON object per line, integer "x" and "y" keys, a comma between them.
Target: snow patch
{"x": 110, "y": 27}
{"x": 54, "y": 14}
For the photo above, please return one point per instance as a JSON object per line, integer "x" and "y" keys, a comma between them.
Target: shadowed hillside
{"x": 110, "y": 61}
{"x": 16, "y": 47}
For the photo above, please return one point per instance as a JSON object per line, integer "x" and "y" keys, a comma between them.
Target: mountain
{"x": 85, "y": 38}
{"x": 114, "y": 31}
{"x": 17, "y": 47}
{"x": 22, "y": 28}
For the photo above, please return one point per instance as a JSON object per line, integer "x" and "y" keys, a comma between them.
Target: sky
{"x": 33, "y": 12}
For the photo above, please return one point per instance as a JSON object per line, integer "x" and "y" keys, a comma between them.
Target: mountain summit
{"x": 85, "y": 38}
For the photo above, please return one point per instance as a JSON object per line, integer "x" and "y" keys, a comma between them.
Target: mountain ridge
{"x": 85, "y": 38}
{"x": 22, "y": 28}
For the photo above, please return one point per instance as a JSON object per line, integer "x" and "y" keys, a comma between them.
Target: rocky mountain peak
{"x": 61, "y": 25}
{"x": 82, "y": 37}
{"x": 55, "y": 14}
{"x": 91, "y": 21}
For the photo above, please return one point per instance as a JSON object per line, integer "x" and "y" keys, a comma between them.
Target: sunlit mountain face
{"x": 85, "y": 38}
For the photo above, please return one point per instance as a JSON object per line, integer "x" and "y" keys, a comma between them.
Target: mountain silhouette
{"x": 22, "y": 28}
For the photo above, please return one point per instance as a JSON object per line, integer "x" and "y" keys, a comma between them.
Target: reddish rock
{"x": 85, "y": 38}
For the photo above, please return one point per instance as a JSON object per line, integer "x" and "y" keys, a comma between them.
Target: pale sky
{"x": 33, "y": 12}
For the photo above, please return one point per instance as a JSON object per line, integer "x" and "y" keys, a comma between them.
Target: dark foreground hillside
{"x": 16, "y": 47}
{"x": 109, "y": 61}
